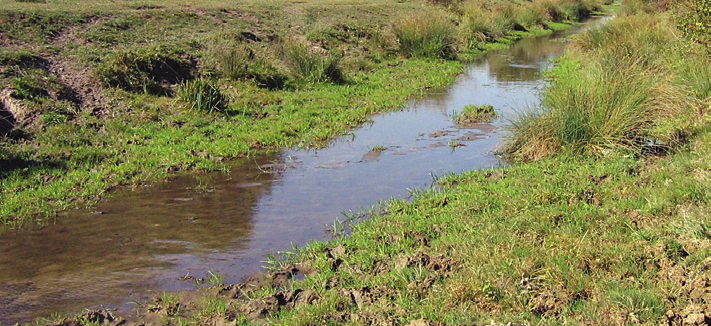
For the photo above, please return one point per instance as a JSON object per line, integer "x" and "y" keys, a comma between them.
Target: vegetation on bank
{"x": 606, "y": 224}
{"x": 592, "y": 230}
{"x": 110, "y": 95}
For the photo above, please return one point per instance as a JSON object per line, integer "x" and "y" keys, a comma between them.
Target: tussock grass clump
{"x": 482, "y": 25}
{"x": 621, "y": 90}
{"x": 233, "y": 60}
{"x": 427, "y": 35}
{"x": 311, "y": 64}
{"x": 238, "y": 61}
{"x": 146, "y": 70}
{"x": 202, "y": 95}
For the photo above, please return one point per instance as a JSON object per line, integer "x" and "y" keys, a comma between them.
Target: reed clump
{"x": 618, "y": 89}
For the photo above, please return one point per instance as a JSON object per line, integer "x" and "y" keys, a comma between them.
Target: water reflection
{"x": 126, "y": 242}
{"x": 525, "y": 60}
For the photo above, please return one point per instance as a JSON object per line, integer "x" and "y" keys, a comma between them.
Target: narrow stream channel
{"x": 138, "y": 244}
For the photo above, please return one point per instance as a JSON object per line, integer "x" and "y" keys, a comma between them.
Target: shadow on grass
{"x": 10, "y": 163}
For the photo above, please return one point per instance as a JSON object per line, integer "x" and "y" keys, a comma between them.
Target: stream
{"x": 137, "y": 244}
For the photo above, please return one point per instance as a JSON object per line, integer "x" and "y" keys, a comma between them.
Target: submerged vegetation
{"x": 605, "y": 224}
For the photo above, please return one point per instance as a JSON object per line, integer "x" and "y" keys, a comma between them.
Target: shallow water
{"x": 137, "y": 244}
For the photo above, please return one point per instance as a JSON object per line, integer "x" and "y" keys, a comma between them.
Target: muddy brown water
{"x": 137, "y": 244}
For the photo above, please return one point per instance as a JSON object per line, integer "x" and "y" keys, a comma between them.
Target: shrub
{"x": 693, "y": 17}
{"x": 314, "y": 65}
{"x": 428, "y": 35}
{"x": 201, "y": 94}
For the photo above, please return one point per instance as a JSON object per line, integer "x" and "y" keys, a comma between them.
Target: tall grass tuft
{"x": 313, "y": 65}
{"x": 627, "y": 98}
{"x": 238, "y": 61}
{"x": 232, "y": 59}
{"x": 202, "y": 95}
{"x": 429, "y": 35}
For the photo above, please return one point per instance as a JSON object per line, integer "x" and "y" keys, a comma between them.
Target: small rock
{"x": 695, "y": 319}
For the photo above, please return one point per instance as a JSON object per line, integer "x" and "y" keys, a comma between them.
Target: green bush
{"x": 693, "y": 17}
{"x": 428, "y": 35}
{"x": 202, "y": 95}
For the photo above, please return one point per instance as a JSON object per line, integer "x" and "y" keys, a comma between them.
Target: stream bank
{"x": 225, "y": 224}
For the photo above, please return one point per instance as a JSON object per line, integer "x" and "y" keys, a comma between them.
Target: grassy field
{"x": 108, "y": 94}
{"x": 602, "y": 220}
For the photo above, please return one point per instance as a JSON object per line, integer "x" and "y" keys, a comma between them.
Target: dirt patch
{"x": 260, "y": 308}
{"x": 15, "y": 110}
{"x": 86, "y": 92}
{"x": 7, "y": 120}
{"x": 439, "y": 133}
{"x": 471, "y": 136}
{"x": 94, "y": 317}
{"x": 439, "y": 264}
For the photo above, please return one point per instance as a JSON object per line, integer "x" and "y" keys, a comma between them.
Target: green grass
{"x": 203, "y": 95}
{"x": 306, "y": 63}
{"x": 558, "y": 241}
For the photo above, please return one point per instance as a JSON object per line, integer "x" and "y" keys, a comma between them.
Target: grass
{"x": 312, "y": 65}
{"x": 202, "y": 95}
{"x": 593, "y": 231}
{"x": 569, "y": 239}
{"x": 430, "y": 34}
{"x": 475, "y": 114}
